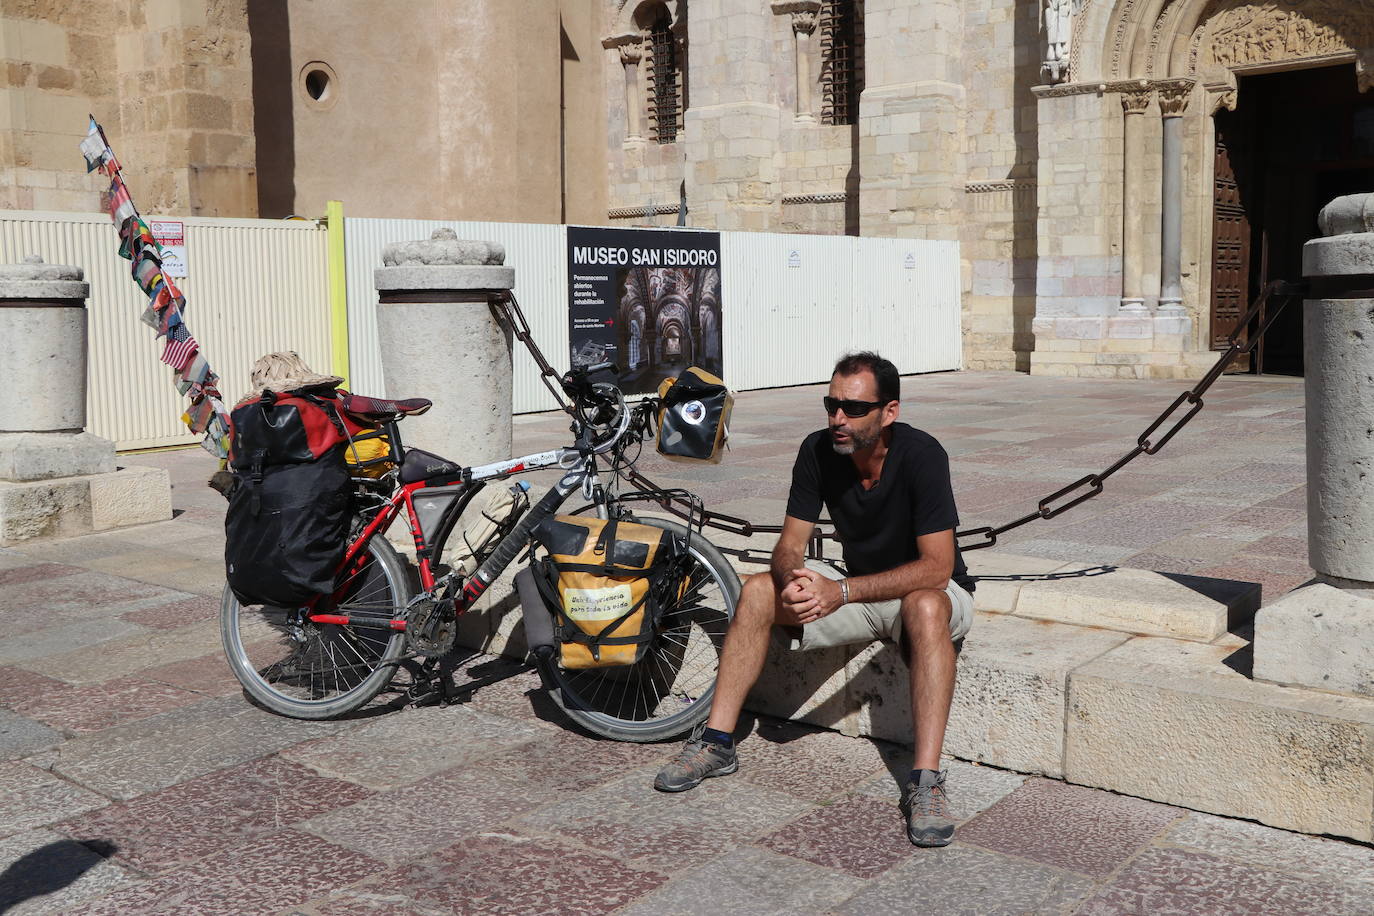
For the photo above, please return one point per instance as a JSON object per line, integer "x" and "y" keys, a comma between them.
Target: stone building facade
{"x": 1123, "y": 176}
{"x": 474, "y": 109}
{"x": 1112, "y": 223}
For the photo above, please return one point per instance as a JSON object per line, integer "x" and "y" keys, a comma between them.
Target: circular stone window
{"x": 319, "y": 84}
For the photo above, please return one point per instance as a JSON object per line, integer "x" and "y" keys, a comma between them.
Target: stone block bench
{"x": 1120, "y": 679}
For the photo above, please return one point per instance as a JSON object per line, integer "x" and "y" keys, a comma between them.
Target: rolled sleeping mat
{"x": 538, "y": 620}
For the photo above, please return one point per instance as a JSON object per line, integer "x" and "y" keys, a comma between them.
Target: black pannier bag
{"x": 693, "y": 423}
{"x": 287, "y": 524}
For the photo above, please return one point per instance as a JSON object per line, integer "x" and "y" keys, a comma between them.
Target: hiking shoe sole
{"x": 930, "y": 832}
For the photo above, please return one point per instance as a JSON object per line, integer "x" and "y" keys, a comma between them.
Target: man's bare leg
{"x": 925, "y": 618}
{"x": 746, "y": 647}
{"x": 741, "y": 661}
{"x": 930, "y": 655}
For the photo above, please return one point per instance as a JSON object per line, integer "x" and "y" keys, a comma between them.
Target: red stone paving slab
{"x": 164, "y": 830}
{"x": 415, "y": 820}
{"x": 1071, "y": 827}
{"x": 1172, "y": 882}
{"x": 1162, "y": 563}
{"x": 91, "y": 708}
{"x": 208, "y": 675}
{"x": 37, "y": 572}
{"x": 18, "y": 687}
{"x": 1277, "y": 577}
{"x": 568, "y": 762}
{"x": 808, "y": 762}
{"x": 1293, "y": 499}
{"x": 505, "y": 875}
{"x": 628, "y": 819}
{"x": 177, "y": 614}
{"x": 271, "y": 872}
{"x": 859, "y": 835}
{"x": 82, "y": 594}
{"x": 1278, "y": 545}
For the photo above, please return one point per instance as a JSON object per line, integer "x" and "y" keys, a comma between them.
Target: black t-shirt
{"x": 879, "y": 527}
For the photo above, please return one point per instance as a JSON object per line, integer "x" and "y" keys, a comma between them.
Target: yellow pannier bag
{"x": 366, "y": 455}
{"x": 604, "y": 575}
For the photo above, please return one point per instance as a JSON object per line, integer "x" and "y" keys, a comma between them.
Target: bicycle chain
{"x": 1239, "y": 342}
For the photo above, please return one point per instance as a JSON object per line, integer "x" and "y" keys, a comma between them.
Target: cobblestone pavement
{"x": 134, "y": 777}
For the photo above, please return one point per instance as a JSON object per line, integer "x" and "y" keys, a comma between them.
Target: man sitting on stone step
{"x": 887, "y": 489}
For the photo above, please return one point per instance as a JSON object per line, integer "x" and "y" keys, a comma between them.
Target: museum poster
{"x": 647, "y": 300}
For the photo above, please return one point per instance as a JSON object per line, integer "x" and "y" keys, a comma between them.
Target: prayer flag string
{"x": 207, "y": 416}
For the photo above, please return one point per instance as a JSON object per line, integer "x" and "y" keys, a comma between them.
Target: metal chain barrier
{"x": 1085, "y": 488}
{"x": 1056, "y": 503}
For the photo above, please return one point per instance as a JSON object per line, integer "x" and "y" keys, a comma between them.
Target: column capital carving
{"x": 804, "y": 23}
{"x": 1173, "y": 97}
{"x": 629, "y": 44}
{"x": 1134, "y": 100}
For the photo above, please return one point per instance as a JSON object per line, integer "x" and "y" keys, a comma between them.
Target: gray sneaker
{"x": 696, "y": 761}
{"x": 929, "y": 821}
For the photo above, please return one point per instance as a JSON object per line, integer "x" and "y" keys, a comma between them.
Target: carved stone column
{"x": 1322, "y": 635}
{"x": 805, "y": 14}
{"x": 1133, "y": 103}
{"x": 1173, "y": 99}
{"x": 440, "y": 340}
{"x": 631, "y": 48}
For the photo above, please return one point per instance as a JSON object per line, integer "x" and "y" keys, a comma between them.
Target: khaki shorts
{"x": 859, "y": 622}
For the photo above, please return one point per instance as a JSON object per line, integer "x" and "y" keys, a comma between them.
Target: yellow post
{"x": 338, "y": 289}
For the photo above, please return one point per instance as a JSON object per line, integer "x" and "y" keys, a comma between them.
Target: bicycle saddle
{"x": 379, "y": 409}
{"x": 422, "y": 465}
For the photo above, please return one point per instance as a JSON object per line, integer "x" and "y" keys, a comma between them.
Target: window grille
{"x": 841, "y": 62}
{"x": 664, "y": 82}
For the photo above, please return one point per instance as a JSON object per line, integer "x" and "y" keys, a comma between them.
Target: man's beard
{"x": 858, "y": 441}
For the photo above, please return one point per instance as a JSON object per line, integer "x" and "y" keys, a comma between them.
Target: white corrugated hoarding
{"x": 538, "y": 253}
{"x": 254, "y": 286}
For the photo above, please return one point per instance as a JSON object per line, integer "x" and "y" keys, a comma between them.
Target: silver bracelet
{"x": 844, "y": 591}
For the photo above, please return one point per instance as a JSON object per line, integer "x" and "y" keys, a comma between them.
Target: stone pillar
{"x": 631, "y": 48}
{"x": 56, "y": 479}
{"x": 731, "y": 128}
{"x": 440, "y": 340}
{"x": 804, "y": 15}
{"x": 1173, "y": 99}
{"x": 1133, "y": 104}
{"x": 1323, "y": 635}
{"x": 911, "y": 120}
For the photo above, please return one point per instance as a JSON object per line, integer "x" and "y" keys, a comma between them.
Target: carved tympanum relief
{"x": 1281, "y": 30}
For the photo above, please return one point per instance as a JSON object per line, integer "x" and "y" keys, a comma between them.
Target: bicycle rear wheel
{"x": 669, "y": 690}
{"x": 305, "y": 670}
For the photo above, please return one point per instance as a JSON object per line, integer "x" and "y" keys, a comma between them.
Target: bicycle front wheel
{"x": 319, "y": 671}
{"x": 669, "y": 690}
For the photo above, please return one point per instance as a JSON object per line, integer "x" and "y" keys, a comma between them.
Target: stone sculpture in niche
{"x": 1056, "y": 22}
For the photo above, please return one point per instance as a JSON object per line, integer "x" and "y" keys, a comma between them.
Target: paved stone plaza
{"x": 134, "y": 777}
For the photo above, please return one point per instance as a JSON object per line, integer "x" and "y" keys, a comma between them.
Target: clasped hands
{"x": 807, "y": 597}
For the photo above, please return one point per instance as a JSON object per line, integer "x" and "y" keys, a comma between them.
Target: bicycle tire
{"x": 669, "y": 690}
{"x": 331, "y": 669}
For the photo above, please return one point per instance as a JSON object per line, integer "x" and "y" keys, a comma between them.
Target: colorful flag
{"x": 134, "y": 236}
{"x": 147, "y": 272}
{"x": 207, "y": 415}
{"x": 118, "y": 203}
{"x": 181, "y": 346}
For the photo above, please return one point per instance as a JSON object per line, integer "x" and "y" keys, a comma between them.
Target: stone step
{"x": 1181, "y": 722}
{"x": 1139, "y": 601}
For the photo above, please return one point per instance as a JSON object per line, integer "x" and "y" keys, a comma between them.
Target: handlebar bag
{"x": 287, "y": 523}
{"x": 693, "y": 422}
{"x": 603, "y": 581}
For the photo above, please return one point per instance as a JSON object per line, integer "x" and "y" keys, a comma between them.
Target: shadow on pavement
{"x": 50, "y": 868}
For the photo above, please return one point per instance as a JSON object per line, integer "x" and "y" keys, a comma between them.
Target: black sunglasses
{"x": 853, "y": 409}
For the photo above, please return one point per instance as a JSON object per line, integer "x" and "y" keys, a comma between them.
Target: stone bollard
{"x": 1323, "y": 635}
{"x": 56, "y": 479}
{"x": 440, "y": 340}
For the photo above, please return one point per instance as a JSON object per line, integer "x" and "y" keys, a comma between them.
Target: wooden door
{"x": 1230, "y": 247}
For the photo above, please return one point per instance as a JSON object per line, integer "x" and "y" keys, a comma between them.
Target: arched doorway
{"x": 1295, "y": 140}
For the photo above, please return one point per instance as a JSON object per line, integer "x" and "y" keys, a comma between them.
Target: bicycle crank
{"x": 431, "y": 626}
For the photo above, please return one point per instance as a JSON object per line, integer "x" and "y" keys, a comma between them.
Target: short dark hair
{"x": 889, "y": 382}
